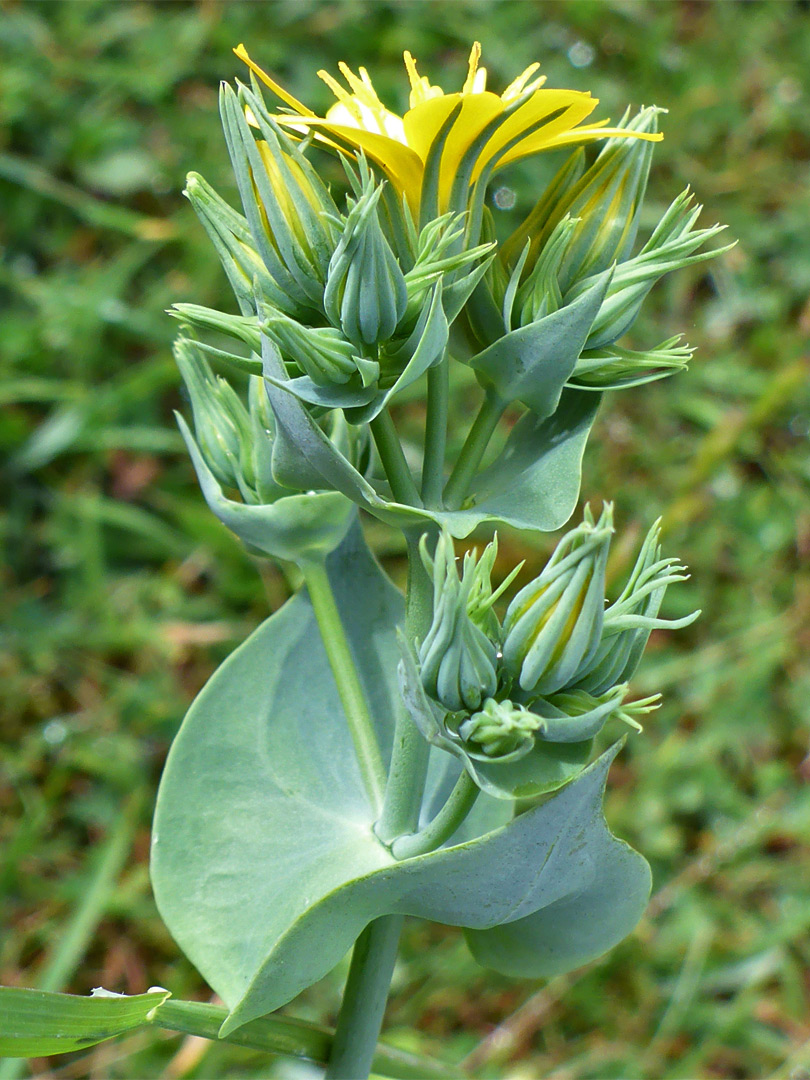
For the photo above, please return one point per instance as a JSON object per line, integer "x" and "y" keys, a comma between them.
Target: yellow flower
{"x": 482, "y": 131}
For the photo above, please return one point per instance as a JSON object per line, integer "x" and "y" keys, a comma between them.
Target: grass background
{"x": 122, "y": 593}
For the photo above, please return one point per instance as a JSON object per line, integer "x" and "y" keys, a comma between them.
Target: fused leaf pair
{"x": 265, "y": 863}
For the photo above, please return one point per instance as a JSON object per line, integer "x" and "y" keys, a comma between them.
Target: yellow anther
{"x": 518, "y": 85}
{"x": 469, "y": 86}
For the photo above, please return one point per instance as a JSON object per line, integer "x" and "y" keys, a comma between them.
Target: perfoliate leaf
{"x": 577, "y": 928}
{"x": 265, "y": 864}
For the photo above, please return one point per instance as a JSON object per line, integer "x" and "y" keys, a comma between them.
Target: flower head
{"x": 445, "y": 142}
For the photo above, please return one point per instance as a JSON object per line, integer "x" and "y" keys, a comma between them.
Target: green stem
{"x": 350, "y": 689}
{"x": 364, "y": 999}
{"x": 393, "y": 460}
{"x": 447, "y": 821}
{"x": 284, "y": 1035}
{"x": 375, "y": 951}
{"x": 409, "y": 753}
{"x": 473, "y": 450}
{"x": 438, "y": 395}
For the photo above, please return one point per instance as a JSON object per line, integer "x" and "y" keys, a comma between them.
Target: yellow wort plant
{"x": 442, "y": 754}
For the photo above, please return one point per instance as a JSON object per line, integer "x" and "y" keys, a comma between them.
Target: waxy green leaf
{"x": 533, "y": 363}
{"x": 265, "y": 864}
{"x": 576, "y": 929}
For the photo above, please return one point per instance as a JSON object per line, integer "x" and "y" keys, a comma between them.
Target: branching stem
{"x": 438, "y": 395}
{"x": 397, "y": 471}
{"x": 409, "y": 754}
{"x": 448, "y": 820}
{"x": 473, "y": 450}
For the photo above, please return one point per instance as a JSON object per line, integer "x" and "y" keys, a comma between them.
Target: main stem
{"x": 375, "y": 951}
{"x": 350, "y": 690}
{"x": 364, "y": 998}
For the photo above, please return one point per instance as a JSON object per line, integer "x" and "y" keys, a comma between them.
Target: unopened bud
{"x": 366, "y": 294}
{"x": 221, "y": 421}
{"x": 289, "y": 212}
{"x": 614, "y": 368}
{"x": 321, "y": 352}
{"x": 244, "y": 328}
{"x": 457, "y": 659}
{"x": 501, "y": 729}
{"x": 230, "y": 234}
{"x": 606, "y": 203}
{"x": 553, "y": 625}
{"x": 672, "y": 246}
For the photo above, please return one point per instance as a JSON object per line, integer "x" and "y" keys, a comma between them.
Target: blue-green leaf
{"x": 533, "y": 363}
{"x": 296, "y": 526}
{"x": 576, "y": 929}
{"x": 265, "y": 864}
{"x": 534, "y": 483}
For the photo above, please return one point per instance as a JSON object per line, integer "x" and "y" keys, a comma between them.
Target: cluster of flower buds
{"x": 345, "y": 303}
{"x": 233, "y": 449}
{"x": 582, "y": 230}
{"x": 348, "y": 298}
{"x": 556, "y": 669}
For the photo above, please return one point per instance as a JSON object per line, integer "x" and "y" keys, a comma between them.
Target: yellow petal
{"x": 587, "y": 134}
{"x": 423, "y": 123}
{"x": 400, "y": 163}
{"x": 542, "y": 103}
{"x": 279, "y": 91}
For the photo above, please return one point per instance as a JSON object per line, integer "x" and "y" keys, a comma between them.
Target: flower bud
{"x": 614, "y": 368}
{"x": 606, "y": 203}
{"x": 439, "y": 254}
{"x": 629, "y": 621}
{"x": 500, "y": 729}
{"x": 244, "y": 328}
{"x": 457, "y": 659}
{"x": 553, "y": 626}
{"x": 366, "y": 294}
{"x": 673, "y": 245}
{"x": 289, "y": 211}
{"x": 221, "y": 421}
{"x": 233, "y": 447}
{"x": 256, "y": 458}
{"x": 230, "y": 234}
{"x": 321, "y": 352}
